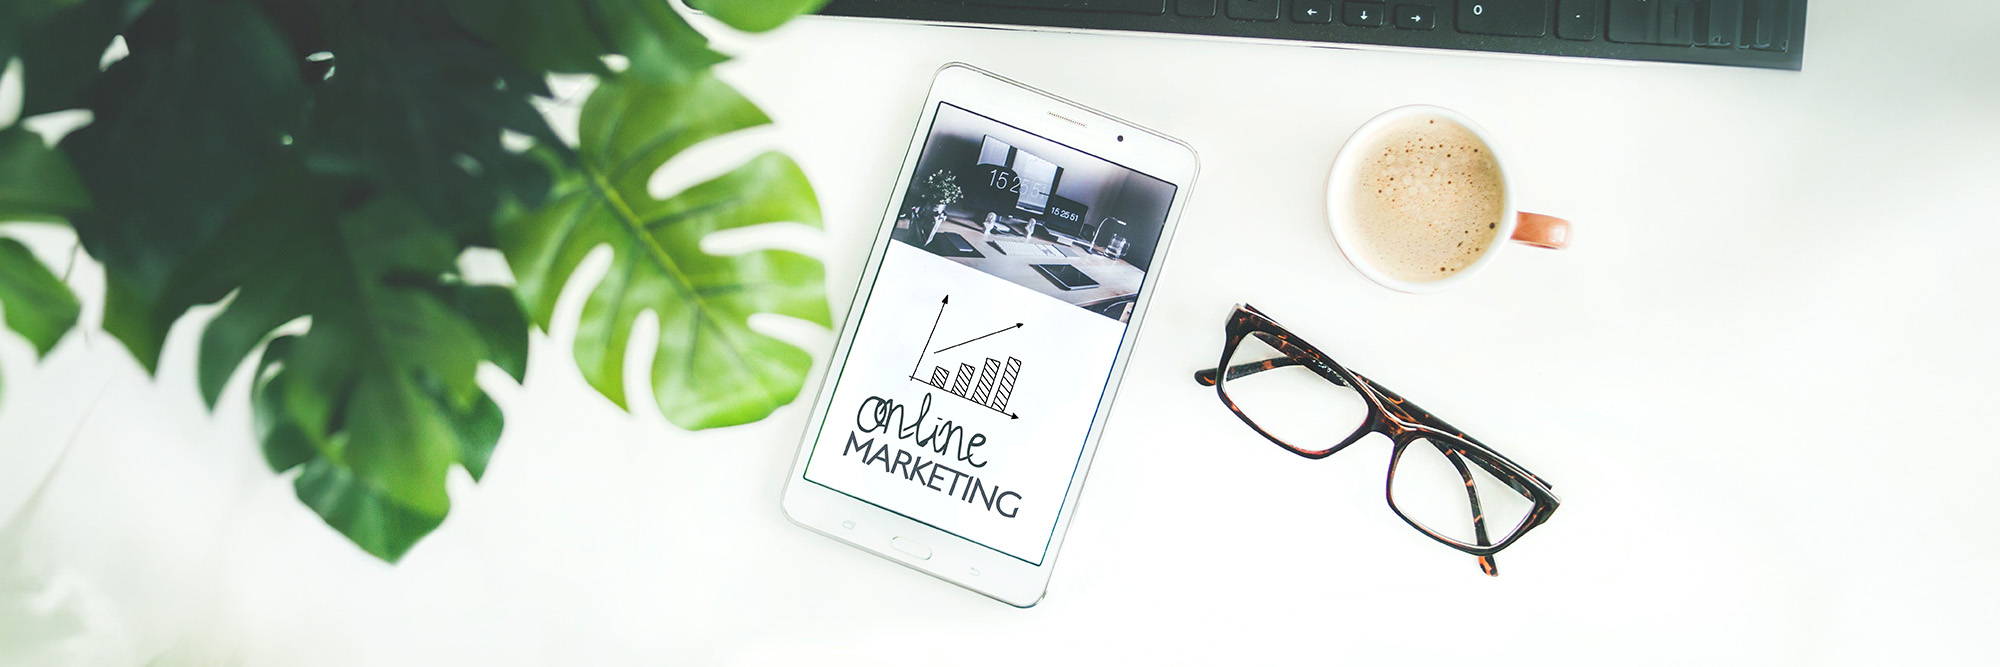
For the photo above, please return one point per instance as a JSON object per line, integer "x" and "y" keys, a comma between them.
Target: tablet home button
{"x": 911, "y": 547}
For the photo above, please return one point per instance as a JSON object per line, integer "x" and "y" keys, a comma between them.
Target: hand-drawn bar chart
{"x": 994, "y": 387}
{"x": 990, "y": 385}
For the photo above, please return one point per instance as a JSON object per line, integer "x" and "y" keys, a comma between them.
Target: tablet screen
{"x": 973, "y": 378}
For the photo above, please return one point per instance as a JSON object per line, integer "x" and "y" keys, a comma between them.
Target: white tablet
{"x": 1001, "y": 299}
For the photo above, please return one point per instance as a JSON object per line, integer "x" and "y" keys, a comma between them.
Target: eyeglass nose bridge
{"x": 1368, "y": 427}
{"x": 1372, "y": 425}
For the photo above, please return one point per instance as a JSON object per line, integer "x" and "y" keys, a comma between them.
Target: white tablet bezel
{"x": 957, "y": 560}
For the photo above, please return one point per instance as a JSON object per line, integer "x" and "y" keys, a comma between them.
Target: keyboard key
{"x": 1514, "y": 18}
{"x": 1725, "y": 23}
{"x": 1766, "y": 24}
{"x": 1363, "y": 14}
{"x": 1154, "y": 7}
{"x": 1757, "y": 25}
{"x": 1416, "y": 17}
{"x": 1677, "y": 22}
{"x": 1195, "y": 8}
{"x": 1634, "y": 21}
{"x": 1577, "y": 19}
{"x": 1312, "y": 11}
{"x": 1253, "y": 10}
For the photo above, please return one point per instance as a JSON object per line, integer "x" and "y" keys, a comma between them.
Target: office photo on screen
{"x": 1034, "y": 212}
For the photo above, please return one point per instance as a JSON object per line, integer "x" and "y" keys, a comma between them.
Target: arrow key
{"x": 1312, "y": 11}
{"x": 1416, "y": 17}
{"x": 1363, "y": 14}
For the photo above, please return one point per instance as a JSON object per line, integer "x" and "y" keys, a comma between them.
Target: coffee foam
{"x": 1426, "y": 201}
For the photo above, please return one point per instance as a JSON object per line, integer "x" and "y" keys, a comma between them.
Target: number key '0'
{"x": 1513, "y": 18}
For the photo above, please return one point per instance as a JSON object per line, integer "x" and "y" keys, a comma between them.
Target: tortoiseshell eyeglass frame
{"x": 1390, "y": 415}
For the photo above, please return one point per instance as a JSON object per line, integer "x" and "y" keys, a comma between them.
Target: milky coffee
{"x": 1427, "y": 201}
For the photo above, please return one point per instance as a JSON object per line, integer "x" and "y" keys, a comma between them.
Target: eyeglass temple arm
{"x": 1486, "y": 563}
{"x": 1207, "y": 376}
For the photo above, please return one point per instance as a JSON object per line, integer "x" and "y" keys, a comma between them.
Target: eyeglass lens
{"x": 1289, "y": 401}
{"x": 1431, "y": 489}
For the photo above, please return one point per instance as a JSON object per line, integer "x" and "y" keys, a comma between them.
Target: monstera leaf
{"x": 59, "y": 43}
{"x": 755, "y": 16}
{"x": 188, "y": 129}
{"x": 36, "y": 183}
{"x": 710, "y": 368}
{"x": 34, "y": 301}
{"x": 377, "y": 400}
{"x": 572, "y": 36}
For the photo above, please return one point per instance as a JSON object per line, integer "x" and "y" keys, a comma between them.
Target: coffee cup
{"x": 1419, "y": 201}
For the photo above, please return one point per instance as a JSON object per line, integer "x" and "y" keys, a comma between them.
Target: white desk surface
{"x": 1763, "y": 382}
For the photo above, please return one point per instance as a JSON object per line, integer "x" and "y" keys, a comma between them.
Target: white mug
{"x": 1528, "y": 228}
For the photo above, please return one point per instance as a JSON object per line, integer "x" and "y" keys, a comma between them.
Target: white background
{"x": 1762, "y": 382}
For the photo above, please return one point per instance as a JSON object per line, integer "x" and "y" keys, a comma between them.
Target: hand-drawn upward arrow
{"x": 1002, "y": 330}
{"x": 927, "y": 337}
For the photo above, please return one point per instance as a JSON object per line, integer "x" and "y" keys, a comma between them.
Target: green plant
{"x": 941, "y": 187}
{"x": 329, "y": 161}
{"x": 35, "y": 184}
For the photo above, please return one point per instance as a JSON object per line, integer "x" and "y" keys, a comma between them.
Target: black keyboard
{"x": 1742, "y": 33}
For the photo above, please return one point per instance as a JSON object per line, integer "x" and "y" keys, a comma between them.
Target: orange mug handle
{"x": 1542, "y": 231}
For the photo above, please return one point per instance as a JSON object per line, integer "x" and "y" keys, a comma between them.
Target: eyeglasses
{"x": 1295, "y": 396}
